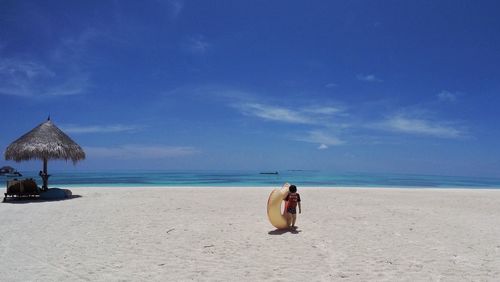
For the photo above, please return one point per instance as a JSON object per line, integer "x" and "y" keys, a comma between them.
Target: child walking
{"x": 292, "y": 200}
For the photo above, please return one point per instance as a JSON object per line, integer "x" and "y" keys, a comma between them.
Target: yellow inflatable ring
{"x": 274, "y": 213}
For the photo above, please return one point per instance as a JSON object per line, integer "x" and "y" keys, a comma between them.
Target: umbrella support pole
{"x": 45, "y": 176}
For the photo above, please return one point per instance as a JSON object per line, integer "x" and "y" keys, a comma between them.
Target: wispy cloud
{"x": 314, "y": 116}
{"x": 23, "y": 69}
{"x": 59, "y": 74}
{"x": 307, "y": 115}
{"x": 140, "y": 152}
{"x": 196, "y": 44}
{"x": 368, "y": 78}
{"x": 74, "y": 85}
{"x": 322, "y": 147}
{"x": 35, "y": 79}
{"x": 331, "y": 85}
{"x": 324, "y": 139}
{"x": 447, "y": 96}
{"x": 323, "y": 110}
{"x": 176, "y": 7}
{"x": 275, "y": 113}
{"x": 419, "y": 126}
{"x": 73, "y": 48}
{"x": 72, "y": 128}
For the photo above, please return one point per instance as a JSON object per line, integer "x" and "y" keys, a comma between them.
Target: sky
{"x": 340, "y": 86}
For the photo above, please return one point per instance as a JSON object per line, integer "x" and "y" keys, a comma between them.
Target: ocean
{"x": 256, "y": 178}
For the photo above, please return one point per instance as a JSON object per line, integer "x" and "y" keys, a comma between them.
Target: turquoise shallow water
{"x": 254, "y": 178}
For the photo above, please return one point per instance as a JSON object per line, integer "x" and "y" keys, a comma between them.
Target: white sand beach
{"x": 223, "y": 234}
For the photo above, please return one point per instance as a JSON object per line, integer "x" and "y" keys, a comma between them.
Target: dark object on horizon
{"x": 270, "y": 172}
{"x": 45, "y": 142}
{"x": 9, "y": 171}
{"x": 21, "y": 189}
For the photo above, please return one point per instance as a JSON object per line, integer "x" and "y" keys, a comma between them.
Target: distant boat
{"x": 275, "y": 172}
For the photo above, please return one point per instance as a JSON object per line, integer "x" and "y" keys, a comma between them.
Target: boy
{"x": 292, "y": 200}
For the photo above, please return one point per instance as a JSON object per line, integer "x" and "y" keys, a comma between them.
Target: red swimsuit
{"x": 291, "y": 202}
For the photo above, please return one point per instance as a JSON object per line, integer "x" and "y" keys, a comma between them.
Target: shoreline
{"x": 278, "y": 187}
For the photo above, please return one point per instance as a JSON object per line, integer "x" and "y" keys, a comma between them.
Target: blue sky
{"x": 346, "y": 86}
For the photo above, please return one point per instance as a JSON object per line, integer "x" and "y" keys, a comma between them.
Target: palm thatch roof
{"x": 44, "y": 142}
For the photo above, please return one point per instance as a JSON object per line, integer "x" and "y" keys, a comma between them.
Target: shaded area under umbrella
{"x": 45, "y": 142}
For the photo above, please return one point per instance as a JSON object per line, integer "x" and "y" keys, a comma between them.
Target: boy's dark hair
{"x": 292, "y": 188}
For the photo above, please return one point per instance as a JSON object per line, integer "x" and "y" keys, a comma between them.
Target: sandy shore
{"x": 223, "y": 234}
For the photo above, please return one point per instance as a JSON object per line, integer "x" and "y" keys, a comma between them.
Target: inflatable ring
{"x": 274, "y": 213}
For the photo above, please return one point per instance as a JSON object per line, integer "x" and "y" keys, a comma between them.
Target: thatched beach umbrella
{"x": 45, "y": 142}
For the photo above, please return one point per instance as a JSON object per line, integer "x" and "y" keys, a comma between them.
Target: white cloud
{"x": 72, "y": 48}
{"x": 73, "y": 86}
{"x": 139, "y": 152}
{"x": 368, "y": 78}
{"x": 22, "y": 78}
{"x": 71, "y": 128}
{"x": 274, "y": 113}
{"x": 322, "y": 147}
{"x": 196, "y": 44}
{"x": 418, "y": 126}
{"x": 176, "y": 7}
{"x": 317, "y": 116}
{"x": 59, "y": 75}
{"x": 307, "y": 115}
{"x": 324, "y": 139}
{"x": 35, "y": 79}
{"x": 323, "y": 110}
{"x": 14, "y": 90}
{"x": 331, "y": 85}
{"x": 18, "y": 69}
{"x": 446, "y": 96}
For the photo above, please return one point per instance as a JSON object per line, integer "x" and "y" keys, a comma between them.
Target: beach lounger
{"x": 25, "y": 188}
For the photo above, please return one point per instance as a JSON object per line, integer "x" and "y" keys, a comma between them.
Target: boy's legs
{"x": 294, "y": 218}
{"x": 288, "y": 218}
